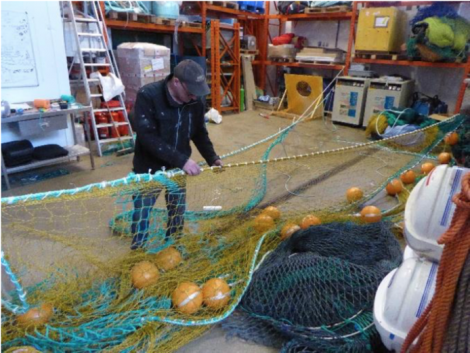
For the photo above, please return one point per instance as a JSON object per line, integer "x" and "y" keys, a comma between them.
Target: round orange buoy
{"x": 144, "y": 274}
{"x": 451, "y": 138}
{"x": 354, "y": 194}
{"x": 23, "y": 349}
{"x": 408, "y": 177}
{"x": 187, "y": 298}
{"x": 288, "y": 230}
{"x": 309, "y": 220}
{"x": 263, "y": 223}
{"x": 36, "y": 316}
{"x": 394, "y": 187}
{"x": 216, "y": 293}
{"x": 427, "y": 167}
{"x": 444, "y": 157}
{"x": 371, "y": 214}
{"x": 168, "y": 259}
{"x": 272, "y": 212}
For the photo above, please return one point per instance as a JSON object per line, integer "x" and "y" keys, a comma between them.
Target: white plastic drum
{"x": 402, "y": 297}
{"x": 429, "y": 210}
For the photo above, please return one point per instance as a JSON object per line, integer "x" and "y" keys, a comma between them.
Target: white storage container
{"x": 429, "y": 210}
{"x": 401, "y": 299}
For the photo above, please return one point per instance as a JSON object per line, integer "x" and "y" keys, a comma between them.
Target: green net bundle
{"x": 75, "y": 285}
{"x": 316, "y": 290}
{"x": 439, "y": 34}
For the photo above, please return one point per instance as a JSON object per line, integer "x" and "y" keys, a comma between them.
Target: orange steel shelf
{"x": 410, "y": 63}
{"x": 308, "y": 65}
{"x": 328, "y": 16}
{"x": 148, "y": 27}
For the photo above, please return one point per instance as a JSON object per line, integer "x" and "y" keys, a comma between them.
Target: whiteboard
{"x": 18, "y": 62}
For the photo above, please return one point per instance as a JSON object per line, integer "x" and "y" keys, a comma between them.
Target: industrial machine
{"x": 385, "y": 94}
{"x": 350, "y": 99}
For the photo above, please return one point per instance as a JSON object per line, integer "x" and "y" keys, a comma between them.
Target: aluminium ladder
{"x": 97, "y": 38}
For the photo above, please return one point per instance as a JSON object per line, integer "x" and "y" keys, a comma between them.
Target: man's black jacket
{"x": 164, "y": 129}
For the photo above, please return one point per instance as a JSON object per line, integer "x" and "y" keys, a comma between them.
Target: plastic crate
{"x": 252, "y": 6}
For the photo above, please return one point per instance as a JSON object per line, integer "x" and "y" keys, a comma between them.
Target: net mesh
{"x": 71, "y": 249}
{"x": 313, "y": 289}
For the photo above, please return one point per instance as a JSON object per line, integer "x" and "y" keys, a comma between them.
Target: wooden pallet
{"x": 227, "y": 4}
{"x": 130, "y": 16}
{"x": 143, "y": 18}
{"x": 163, "y": 21}
{"x": 319, "y": 62}
{"x": 282, "y": 60}
{"x": 378, "y": 55}
{"x": 191, "y": 24}
{"x": 252, "y": 52}
{"x": 341, "y": 8}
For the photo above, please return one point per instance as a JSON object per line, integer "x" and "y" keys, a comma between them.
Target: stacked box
{"x": 140, "y": 64}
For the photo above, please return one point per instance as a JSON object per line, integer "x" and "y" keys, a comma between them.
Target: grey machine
{"x": 350, "y": 100}
{"x": 384, "y": 94}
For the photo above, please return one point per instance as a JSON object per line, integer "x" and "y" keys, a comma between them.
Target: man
{"x": 167, "y": 116}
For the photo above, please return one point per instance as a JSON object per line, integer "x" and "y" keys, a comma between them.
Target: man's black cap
{"x": 193, "y": 76}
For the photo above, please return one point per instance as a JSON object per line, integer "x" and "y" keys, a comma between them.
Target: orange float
{"x": 444, "y": 157}
{"x": 408, "y": 177}
{"x": 263, "y": 223}
{"x": 187, "y": 298}
{"x": 451, "y": 138}
{"x": 427, "y": 167}
{"x": 354, "y": 194}
{"x": 309, "y": 220}
{"x": 272, "y": 212}
{"x": 288, "y": 230}
{"x": 144, "y": 274}
{"x": 394, "y": 187}
{"x": 168, "y": 259}
{"x": 371, "y": 214}
{"x": 36, "y": 316}
{"x": 216, "y": 293}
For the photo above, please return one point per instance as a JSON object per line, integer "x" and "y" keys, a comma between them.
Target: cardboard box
{"x": 141, "y": 64}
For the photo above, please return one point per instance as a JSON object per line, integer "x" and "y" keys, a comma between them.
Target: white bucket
{"x": 401, "y": 299}
{"x": 429, "y": 209}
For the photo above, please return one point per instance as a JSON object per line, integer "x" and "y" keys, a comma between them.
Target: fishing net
{"x": 315, "y": 292}
{"x": 461, "y": 149}
{"x": 439, "y": 34}
{"x": 75, "y": 285}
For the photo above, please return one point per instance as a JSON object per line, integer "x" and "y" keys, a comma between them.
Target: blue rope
{"x": 19, "y": 290}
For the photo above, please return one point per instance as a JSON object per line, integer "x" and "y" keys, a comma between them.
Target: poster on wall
{"x": 18, "y": 63}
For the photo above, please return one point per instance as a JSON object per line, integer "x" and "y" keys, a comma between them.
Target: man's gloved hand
{"x": 191, "y": 168}
{"x": 217, "y": 163}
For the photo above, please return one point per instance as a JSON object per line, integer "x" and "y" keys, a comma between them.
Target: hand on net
{"x": 218, "y": 163}
{"x": 191, "y": 168}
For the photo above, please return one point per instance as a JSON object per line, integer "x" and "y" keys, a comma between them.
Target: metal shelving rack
{"x": 353, "y": 16}
{"x": 225, "y": 86}
{"x": 330, "y": 16}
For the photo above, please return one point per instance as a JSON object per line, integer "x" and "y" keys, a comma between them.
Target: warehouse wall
{"x": 49, "y": 55}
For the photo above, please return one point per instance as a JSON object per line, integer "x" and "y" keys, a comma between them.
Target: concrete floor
{"x": 235, "y": 131}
